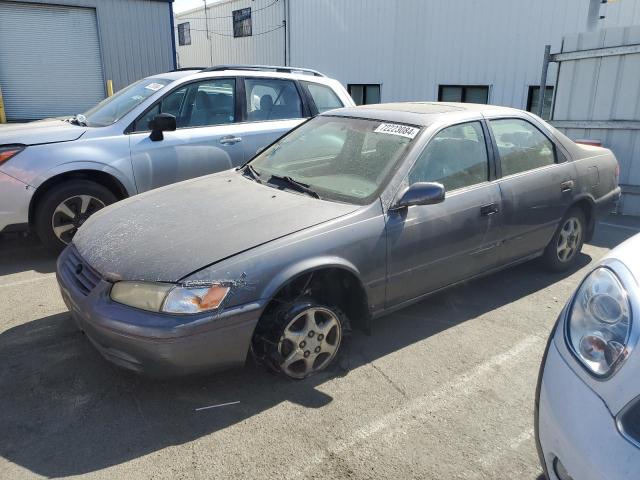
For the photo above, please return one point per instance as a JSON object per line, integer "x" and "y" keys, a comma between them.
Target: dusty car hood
{"x": 166, "y": 234}
{"x": 42, "y": 131}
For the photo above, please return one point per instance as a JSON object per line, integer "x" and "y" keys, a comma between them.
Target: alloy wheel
{"x": 309, "y": 342}
{"x": 569, "y": 239}
{"x": 71, "y": 213}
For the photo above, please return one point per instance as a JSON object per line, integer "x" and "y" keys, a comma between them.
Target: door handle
{"x": 488, "y": 210}
{"x": 566, "y": 186}
{"x": 230, "y": 140}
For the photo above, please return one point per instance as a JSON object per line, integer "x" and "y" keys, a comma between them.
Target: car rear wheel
{"x": 564, "y": 247}
{"x": 301, "y": 338}
{"x": 65, "y": 208}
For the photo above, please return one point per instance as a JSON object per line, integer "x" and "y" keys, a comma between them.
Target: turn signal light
{"x": 9, "y": 151}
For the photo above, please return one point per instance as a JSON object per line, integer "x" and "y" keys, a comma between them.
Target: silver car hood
{"x": 168, "y": 233}
{"x": 39, "y": 132}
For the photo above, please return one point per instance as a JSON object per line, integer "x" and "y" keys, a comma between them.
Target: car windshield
{"x": 339, "y": 158}
{"x": 113, "y": 108}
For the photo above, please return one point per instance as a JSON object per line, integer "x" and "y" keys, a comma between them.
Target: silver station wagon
{"x": 163, "y": 129}
{"x": 355, "y": 213}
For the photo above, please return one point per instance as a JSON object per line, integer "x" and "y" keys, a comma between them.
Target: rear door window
{"x": 521, "y": 146}
{"x": 456, "y": 157}
{"x": 323, "y": 96}
{"x": 272, "y": 99}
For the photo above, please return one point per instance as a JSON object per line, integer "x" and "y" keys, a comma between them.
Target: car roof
{"x": 421, "y": 113}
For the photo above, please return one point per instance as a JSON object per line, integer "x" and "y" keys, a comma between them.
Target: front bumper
{"x": 15, "y": 197}
{"x": 574, "y": 425}
{"x": 152, "y": 343}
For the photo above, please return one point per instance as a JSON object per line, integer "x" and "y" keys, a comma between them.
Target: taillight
{"x": 9, "y": 151}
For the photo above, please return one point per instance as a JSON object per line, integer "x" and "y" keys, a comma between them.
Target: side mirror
{"x": 421, "y": 193}
{"x": 164, "y": 122}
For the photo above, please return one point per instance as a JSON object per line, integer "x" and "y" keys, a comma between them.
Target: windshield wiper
{"x": 301, "y": 187}
{"x": 256, "y": 176}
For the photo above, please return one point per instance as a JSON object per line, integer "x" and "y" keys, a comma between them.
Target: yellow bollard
{"x": 3, "y": 116}
{"x": 109, "y": 88}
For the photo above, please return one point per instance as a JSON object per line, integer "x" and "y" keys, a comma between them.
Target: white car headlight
{"x": 599, "y": 322}
{"x": 169, "y": 298}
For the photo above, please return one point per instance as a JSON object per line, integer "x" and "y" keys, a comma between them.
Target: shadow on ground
{"x": 19, "y": 253}
{"x": 66, "y": 411}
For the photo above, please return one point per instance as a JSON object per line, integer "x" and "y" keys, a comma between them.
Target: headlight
{"x": 169, "y": 298}
{"x": 599, "y": 322}
{"x": 8, "y": 151}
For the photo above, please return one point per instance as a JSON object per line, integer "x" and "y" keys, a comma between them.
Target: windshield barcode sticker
{"x": 395, "y": 129}
{"x": 154, "y": 86}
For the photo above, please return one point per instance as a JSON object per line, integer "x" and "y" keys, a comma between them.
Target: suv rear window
{"x": 323, "y": 96}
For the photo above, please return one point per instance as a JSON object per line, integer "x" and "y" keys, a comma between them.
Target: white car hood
{"x": 39, "y": 132}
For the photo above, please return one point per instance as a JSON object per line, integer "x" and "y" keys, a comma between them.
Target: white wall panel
{"x": 605, "y": 89}
{"x": 265, "y": 46}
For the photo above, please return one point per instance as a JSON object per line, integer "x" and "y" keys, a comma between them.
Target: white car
{"x": 162, "y": 129}
{"x": 588, "y": 395}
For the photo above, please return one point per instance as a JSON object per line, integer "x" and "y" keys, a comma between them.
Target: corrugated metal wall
{"x": 135, "y": 37}
{"x": 412, "y": 46}
{"x": 265, "y": 46}
{"x": 408, "y": 46}
{"x": 604, "y": 94}
{"x": 45, "y": 72}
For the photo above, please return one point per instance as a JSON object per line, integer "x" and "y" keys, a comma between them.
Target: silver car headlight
{"x": 599, "y": 322}
{"x": 169, "y": 298}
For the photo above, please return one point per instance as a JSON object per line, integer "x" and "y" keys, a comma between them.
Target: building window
{"x": 364, "y": 94}
{"x": 533, "y": 101}
{"x": 184, "y": 34}
{"x": 242, "y": 22}
{"x": 463, "y": 93}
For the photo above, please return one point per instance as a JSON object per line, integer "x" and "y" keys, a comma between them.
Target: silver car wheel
{"x": 309, "y": 342}
{"x": 71, "y": 213}
{"x": 569, "y": 239}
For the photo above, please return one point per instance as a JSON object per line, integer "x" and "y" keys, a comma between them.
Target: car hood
{"x": 41, "y": 131}
{"x": 166, "y": 234}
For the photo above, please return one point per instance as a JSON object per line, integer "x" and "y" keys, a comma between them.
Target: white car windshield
{"x": 113, "y": 108}
{"x": 337, "y": 158}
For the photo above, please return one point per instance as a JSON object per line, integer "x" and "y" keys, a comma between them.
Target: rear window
{"x": 323, "y": 96}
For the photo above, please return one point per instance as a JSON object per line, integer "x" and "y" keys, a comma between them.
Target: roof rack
{"x": 264, "y": 68}
{"x": 185, "y": 69}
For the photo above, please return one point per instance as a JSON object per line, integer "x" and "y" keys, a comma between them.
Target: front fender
{"x": 75, "y": 166}
{"x": 305, "y": 266}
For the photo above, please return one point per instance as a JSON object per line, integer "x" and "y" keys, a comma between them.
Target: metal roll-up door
{"x": 50, "y": 62}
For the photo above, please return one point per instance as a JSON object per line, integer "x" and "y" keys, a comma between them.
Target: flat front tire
{"x": 301, "y": 338}
{"x": 64, "y": 208}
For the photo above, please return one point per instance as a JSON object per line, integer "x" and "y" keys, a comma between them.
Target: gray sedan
{"x": 356, "y": 213}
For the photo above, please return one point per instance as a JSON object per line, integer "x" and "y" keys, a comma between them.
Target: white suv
{"x": 163, "y": 129}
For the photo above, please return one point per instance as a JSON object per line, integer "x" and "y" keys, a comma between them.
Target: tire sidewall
{"x": 50, "y": 201}
{"x": 551, "y": 254}
{"x": 284, "y": 315}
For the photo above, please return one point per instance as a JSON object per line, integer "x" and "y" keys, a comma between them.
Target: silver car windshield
{"x": 113, "y": 108}
{"x": 339, "y": 158}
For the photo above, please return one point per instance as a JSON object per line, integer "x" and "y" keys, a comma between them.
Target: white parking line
{"x": 41, "y": 278}
{"x": 418, "y": 409}
{"x": 625, "y": 227}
